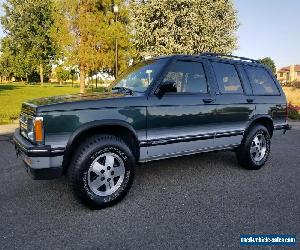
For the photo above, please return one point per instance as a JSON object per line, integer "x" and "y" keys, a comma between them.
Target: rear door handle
{"x": 250, "y": 100}
{"x": 208, "y": 100}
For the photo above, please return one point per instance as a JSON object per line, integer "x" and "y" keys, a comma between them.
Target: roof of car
{"x": 217, "y": 56}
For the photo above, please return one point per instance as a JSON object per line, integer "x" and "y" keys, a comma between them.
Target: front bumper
{"x": 42, "y": 162}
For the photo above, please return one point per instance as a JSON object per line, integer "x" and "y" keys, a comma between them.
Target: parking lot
{"x": 196, "y": 202}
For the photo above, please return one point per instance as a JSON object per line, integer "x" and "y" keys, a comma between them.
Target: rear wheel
{"x": 255, "y": 148}
{"x": 102, "y": 171}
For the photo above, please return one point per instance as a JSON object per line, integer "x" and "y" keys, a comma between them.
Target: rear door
{"x": 234, "y": 103}
{"x": 182, "y": 122}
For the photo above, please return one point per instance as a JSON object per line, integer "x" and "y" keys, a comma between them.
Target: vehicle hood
{"x": 73, "y": 102}
{"x": 73, "y": 98}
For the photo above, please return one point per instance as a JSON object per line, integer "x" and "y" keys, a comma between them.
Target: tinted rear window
{"x": 261, "y": 81}
{"x": 227, "y": 78}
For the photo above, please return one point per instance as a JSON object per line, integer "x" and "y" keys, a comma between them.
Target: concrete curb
{"x": 8, "y": 129}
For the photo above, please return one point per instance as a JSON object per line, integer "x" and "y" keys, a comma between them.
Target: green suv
{"x": 163, "y": 107}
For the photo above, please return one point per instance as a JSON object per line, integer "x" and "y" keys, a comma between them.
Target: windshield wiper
{"x": 124, "y": 89}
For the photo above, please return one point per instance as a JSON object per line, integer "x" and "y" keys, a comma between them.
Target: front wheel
{"x": 102, "y": 171}
{"x": 255, "y": 148}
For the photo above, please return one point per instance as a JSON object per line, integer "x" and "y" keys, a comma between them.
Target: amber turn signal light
{"x": 38, "y": 129}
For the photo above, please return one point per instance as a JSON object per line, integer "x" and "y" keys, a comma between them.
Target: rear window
{"x": 261, "y": 81}
{"x": 227, "y": 78}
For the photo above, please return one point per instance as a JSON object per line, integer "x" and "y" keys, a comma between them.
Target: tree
{"x": 6, "y": 69}
{"x": 183, "y": 26}
{"x": 73, "y": 75}
{"x": 267, "y": 61}
{"x": 62, "y": 74}
{"x": 14, "y": 62}
{"x": 86, "y": 34}
{"x": 27, "y": 25}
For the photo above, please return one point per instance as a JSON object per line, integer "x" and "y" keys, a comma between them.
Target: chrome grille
{"x": 28, "y": 109}
{"x": 26, "y": 121}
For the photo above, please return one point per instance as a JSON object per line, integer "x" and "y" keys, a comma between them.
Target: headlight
{"x": 32, "y": 128}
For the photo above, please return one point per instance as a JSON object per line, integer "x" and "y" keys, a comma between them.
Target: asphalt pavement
{"x": 202, "y": 201}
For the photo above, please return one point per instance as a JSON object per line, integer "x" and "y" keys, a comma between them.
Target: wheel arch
{"x": 118, "y": 128}
{"x": 264, "y": 120}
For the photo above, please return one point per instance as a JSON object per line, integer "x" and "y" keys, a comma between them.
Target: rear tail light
{"x": 39, "y": 130}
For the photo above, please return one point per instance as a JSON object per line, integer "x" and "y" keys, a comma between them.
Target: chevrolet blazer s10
{"x": 163, "y": 107}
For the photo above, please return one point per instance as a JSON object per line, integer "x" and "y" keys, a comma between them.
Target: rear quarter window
{"x": 261, "y": 81}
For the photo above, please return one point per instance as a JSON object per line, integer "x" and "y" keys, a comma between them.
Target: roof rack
{"x": 228, "y": 56}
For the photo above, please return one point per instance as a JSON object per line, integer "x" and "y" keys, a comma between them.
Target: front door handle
{"x": 208, "y": 100}
{"x": 250, "y": 100}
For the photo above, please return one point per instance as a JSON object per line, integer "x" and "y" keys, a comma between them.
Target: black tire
{"x": 252, "y": 160}
{"x": 81, "y": 170}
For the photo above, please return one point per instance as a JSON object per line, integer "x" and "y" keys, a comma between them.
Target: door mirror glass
{"x": 167, "y": 87}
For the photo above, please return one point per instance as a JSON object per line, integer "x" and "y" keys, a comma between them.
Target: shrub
{"x": 293, "y": 112}
{"x": 296, "y": 84}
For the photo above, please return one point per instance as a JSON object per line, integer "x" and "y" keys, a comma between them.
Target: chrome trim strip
{"x": 229, "y": 133}
{"x": 190, "y": 152}
{"x": 37, "y": 150}
{"x": 188, "y": 138}
{"x": 58, "y": 150}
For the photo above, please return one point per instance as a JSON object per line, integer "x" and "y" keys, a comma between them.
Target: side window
{"x": 189, "y": 77}
{"x": 262, "y": 83}
{"x": 227, "y": 78}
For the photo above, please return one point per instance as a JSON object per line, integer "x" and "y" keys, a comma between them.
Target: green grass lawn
{"x": 13, "y": 94}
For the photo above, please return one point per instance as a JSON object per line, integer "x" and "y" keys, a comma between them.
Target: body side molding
{"x": 191, "y": 152}
{"x": 189, "y": 138}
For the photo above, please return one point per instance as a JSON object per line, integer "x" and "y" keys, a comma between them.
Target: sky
{"x": 267, "y": 28}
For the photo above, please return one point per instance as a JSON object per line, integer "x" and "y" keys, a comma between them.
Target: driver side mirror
{"x": 166, "y": 87}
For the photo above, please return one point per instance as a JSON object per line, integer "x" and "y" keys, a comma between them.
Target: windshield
{"x": 138, "y": 77}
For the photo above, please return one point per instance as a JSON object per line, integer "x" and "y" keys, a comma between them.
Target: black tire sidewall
{"x": 243, "y": 153}
{"x": 80, "y": 173}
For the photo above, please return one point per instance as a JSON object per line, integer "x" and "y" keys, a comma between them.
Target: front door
{"x": 182, "y": 122}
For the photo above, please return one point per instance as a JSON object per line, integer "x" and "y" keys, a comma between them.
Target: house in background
{"x": 289, "y": 74}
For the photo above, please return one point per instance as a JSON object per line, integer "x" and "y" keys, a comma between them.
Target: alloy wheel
{"x": 106, "y": 174}
{"x": 258, "y": 147}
